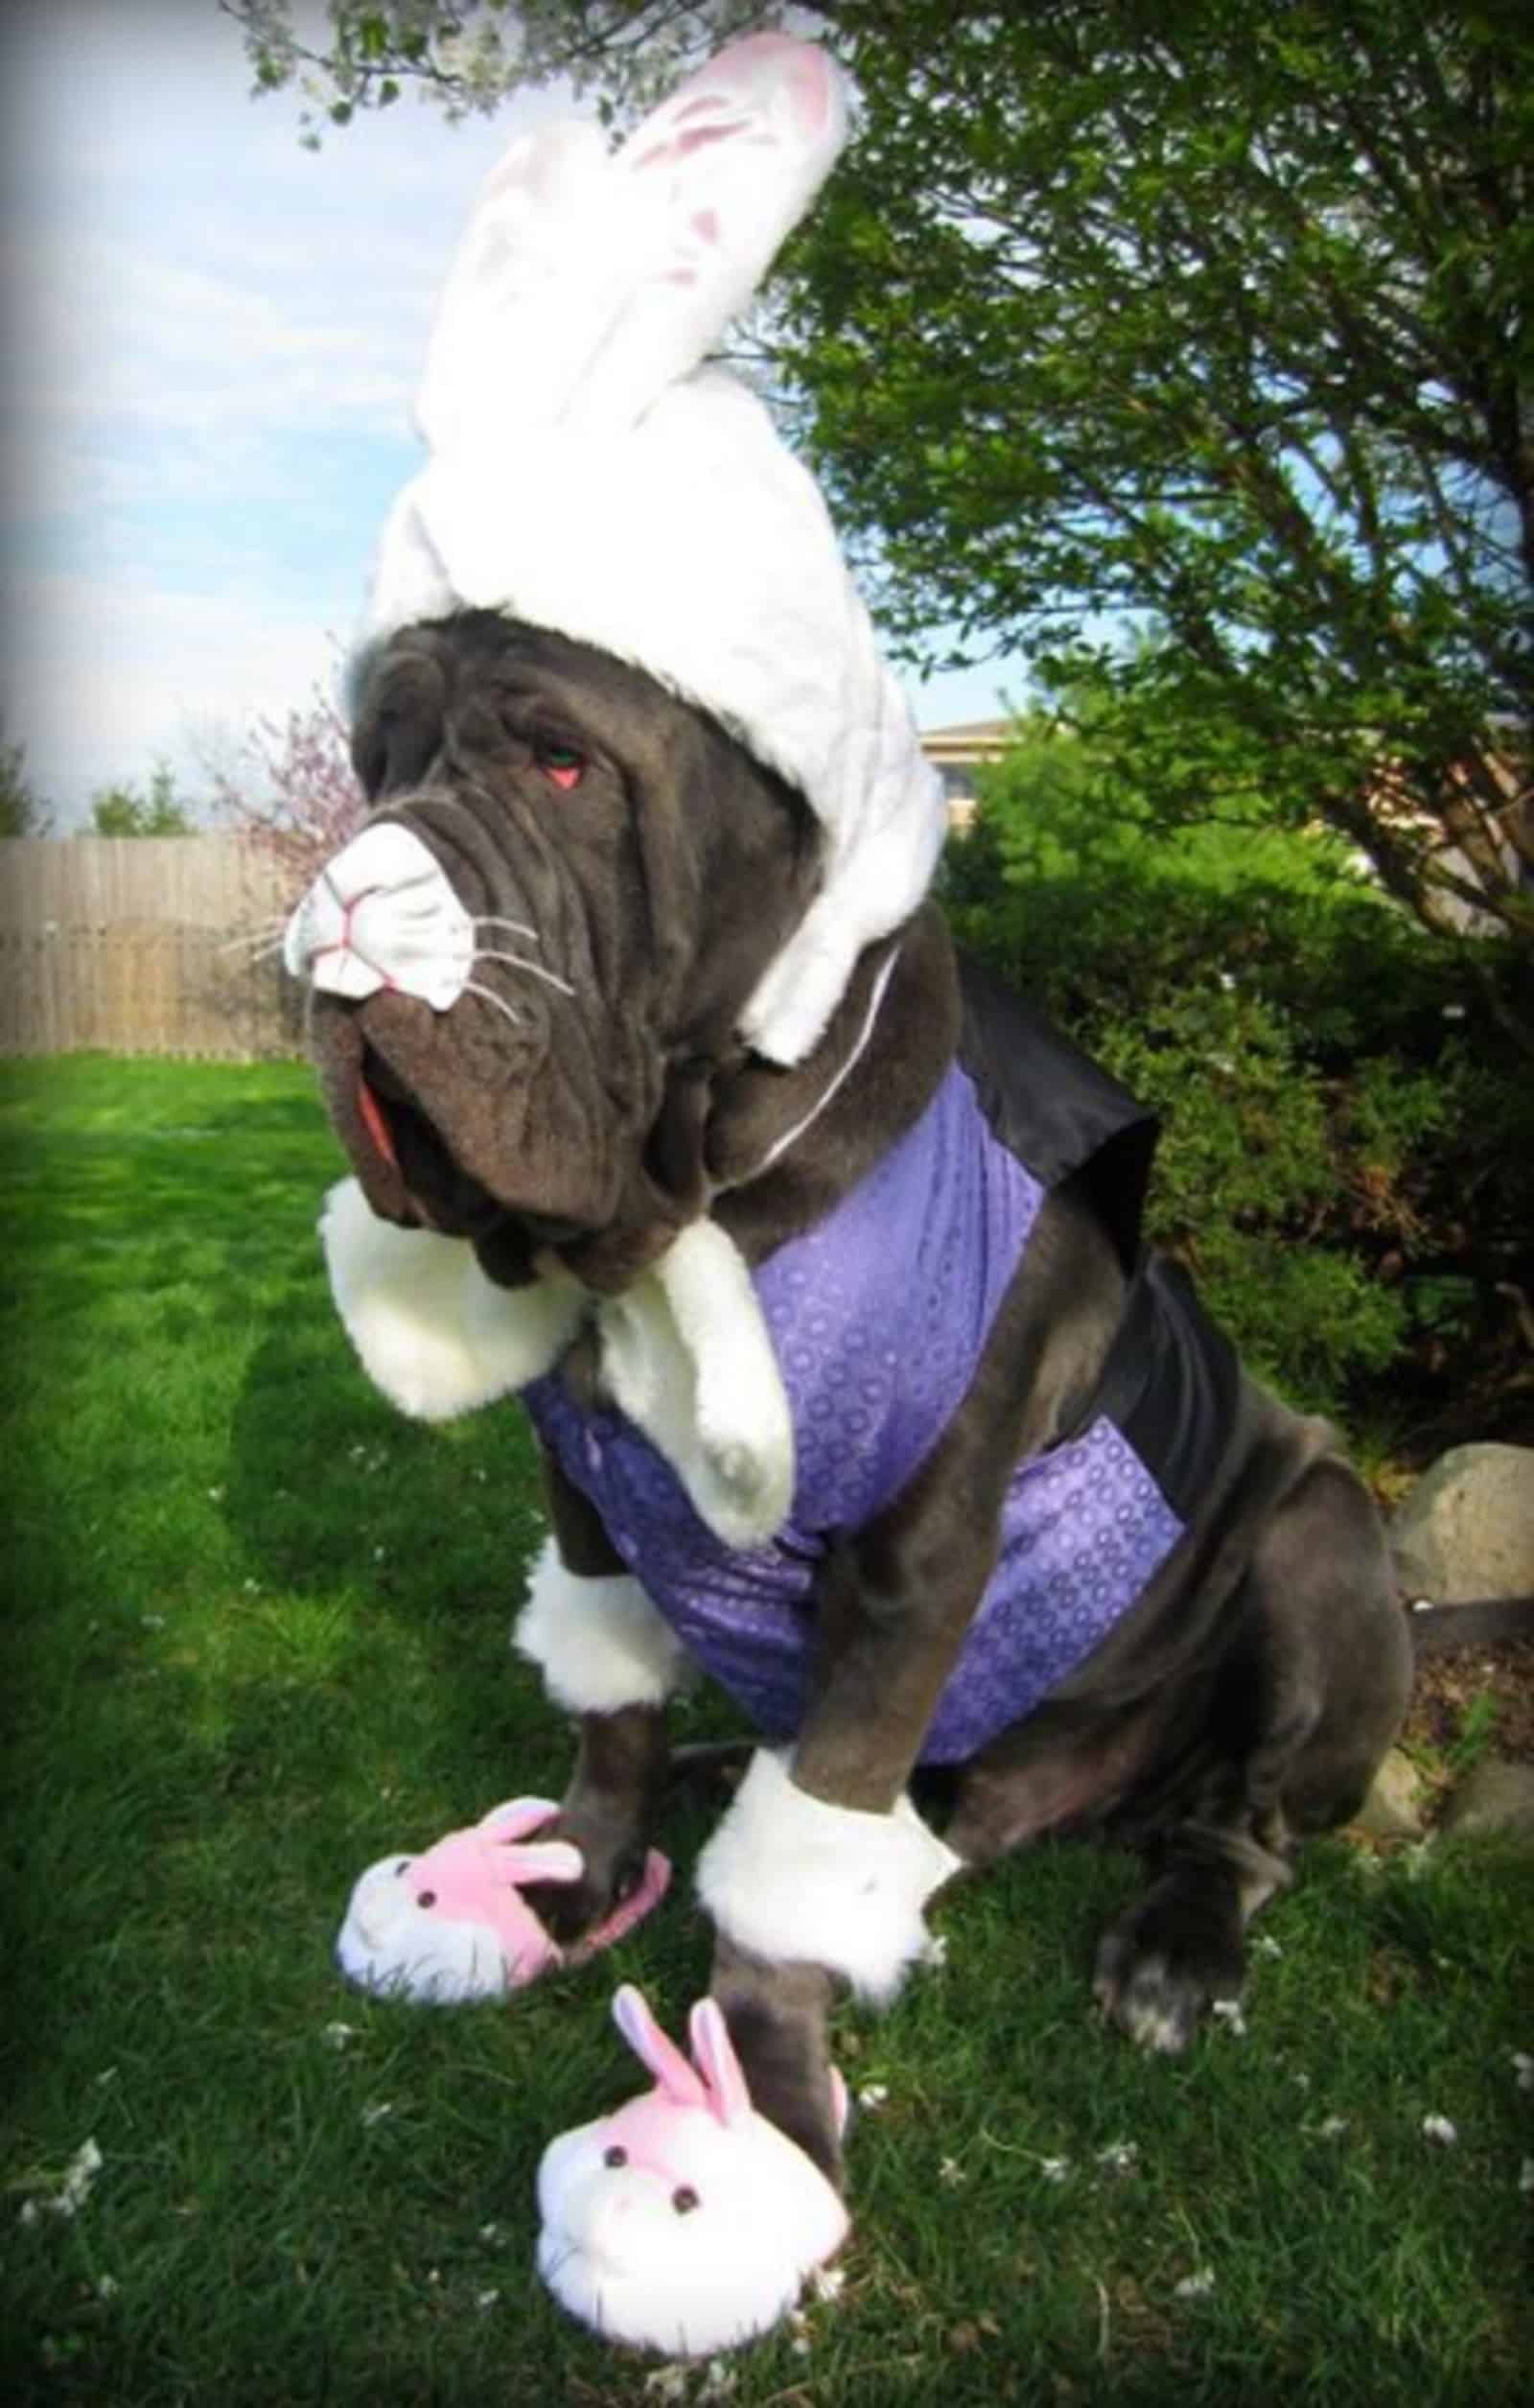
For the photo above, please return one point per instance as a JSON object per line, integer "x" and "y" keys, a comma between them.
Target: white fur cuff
{"x": 433, "y": 1333}
{"x": 599, "y": 1643}
{"x": 786, "y": 1876}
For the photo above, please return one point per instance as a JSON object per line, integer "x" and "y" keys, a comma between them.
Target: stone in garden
{"x": 1393, "y": 1807}
{"x": 1494, "y": 1796}
{"x": 1467, "y": 1529}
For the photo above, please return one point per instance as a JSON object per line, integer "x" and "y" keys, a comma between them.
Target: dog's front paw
{"x": 614, "y": 1869}
{"x": 1172, "y": 1958}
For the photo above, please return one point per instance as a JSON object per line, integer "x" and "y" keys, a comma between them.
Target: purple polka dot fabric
{"x": 878, "y": 1317}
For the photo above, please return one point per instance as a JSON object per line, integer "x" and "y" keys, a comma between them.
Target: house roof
{"x": 967, "y": 740}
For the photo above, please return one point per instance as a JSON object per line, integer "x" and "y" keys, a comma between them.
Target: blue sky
{"x": 212, "y": 337}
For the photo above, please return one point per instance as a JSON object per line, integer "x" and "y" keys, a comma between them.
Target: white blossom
{"x": 1439, "y": 2128}
{"x": 667, "y": 2382}
{"x": 1119, "y": 2157}
{"x": 1195, "y": 2286}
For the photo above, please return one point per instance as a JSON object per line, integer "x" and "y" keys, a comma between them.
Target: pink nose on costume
{"x": 383, "y": 914}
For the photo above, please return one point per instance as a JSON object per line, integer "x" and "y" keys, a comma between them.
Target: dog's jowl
{"x": 813, "y": 1254}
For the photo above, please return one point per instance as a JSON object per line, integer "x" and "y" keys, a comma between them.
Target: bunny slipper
{"x": 685, "y": 2222}
{"x": 453, "y": 1925}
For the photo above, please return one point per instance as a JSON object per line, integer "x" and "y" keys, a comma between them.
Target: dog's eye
{"x": 617, "y": 2154}
{"x": 562, "y": 765}
{"x": 684, "y": 2199}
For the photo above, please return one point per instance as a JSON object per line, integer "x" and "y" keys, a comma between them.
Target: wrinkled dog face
{"x": 627, "y": 873}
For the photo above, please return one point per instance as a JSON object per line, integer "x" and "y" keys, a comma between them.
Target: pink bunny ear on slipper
{"x": 716, "y": 2055}
{"x": 680, "y": 2081}
{"x": 537, "y": 1860}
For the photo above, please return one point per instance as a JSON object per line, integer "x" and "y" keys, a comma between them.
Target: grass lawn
{"x": 257, "y": 1636}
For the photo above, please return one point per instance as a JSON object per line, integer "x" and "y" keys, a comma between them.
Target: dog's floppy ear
{"x": 586, "y": 284}
{"x": 397, "y": 697}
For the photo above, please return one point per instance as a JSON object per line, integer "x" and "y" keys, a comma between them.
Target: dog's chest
{"x": 878, "y": 1318}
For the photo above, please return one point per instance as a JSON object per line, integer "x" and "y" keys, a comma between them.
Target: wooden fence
{"x": 142, "y": 945}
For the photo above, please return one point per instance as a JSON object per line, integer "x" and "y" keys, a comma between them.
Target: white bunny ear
{"x": 708, "y": 187}
{"x": 530, "y": 295}
{"x": 720, "y": 2066}
{"x": 664, "y": 2059}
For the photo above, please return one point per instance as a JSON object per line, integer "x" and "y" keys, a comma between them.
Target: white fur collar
{"x": 684, "y": 1353}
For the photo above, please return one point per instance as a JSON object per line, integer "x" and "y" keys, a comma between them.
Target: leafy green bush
{"x": 1345, "y": 1165}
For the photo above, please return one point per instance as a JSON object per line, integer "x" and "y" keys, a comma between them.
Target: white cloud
{"x": 111, "y": 677}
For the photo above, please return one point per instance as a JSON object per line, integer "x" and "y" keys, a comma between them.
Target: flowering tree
{"x": 294, "y": 794}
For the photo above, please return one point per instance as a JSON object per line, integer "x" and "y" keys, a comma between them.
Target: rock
{"x": 1467, "y": 1529}
{"x": 1495, "y": 1796}
{"x": 1393, "y": 1808}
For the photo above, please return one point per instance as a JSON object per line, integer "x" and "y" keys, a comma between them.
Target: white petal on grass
{"x": 1119, "y": 2157}
{"x": 1195, "y": 2286}
{"x": 1438, "y": 2128}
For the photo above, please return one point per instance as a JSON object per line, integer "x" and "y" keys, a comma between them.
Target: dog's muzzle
{"x": 382, "y": 916}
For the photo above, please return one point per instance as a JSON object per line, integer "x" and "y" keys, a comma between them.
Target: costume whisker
{"x": 264, "y": 938}
{"x": 471, "y": 987}
{"x": 518, "y": 927}
{"x": 534, "y": 970}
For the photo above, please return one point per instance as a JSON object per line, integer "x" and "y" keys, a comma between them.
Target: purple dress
{"x": 878, "y": 1317}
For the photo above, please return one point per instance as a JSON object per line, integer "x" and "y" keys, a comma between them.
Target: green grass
{"x": 257, "y": 1636}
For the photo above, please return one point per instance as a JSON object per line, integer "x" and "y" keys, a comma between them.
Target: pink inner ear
{"x": 715, "y": 2051}
{"x": 810, "y": 86}
{"x": 650, "y": 2045}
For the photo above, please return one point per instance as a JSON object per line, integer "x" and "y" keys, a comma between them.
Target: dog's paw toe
{"x": 1146, "y": 2000}
{"x": 1158, "y": 1977}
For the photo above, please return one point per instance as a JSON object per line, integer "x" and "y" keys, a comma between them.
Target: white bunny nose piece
{"x": 383, "y": 914}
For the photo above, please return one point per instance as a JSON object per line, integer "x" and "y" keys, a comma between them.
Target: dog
{"x": 1212, "y": 1672}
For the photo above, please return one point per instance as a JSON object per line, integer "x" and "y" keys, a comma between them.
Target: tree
{"x": 21, "y": 815}
{"x": 124, "y": 811}
{"x": 469, "y": 58}
{"x": 1215, "y": 317}
{"x": 293, "y": 793}
{"x": 1189, "y": 345}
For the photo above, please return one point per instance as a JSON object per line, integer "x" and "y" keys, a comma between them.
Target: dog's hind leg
{"x": 1310, "y": 1695}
